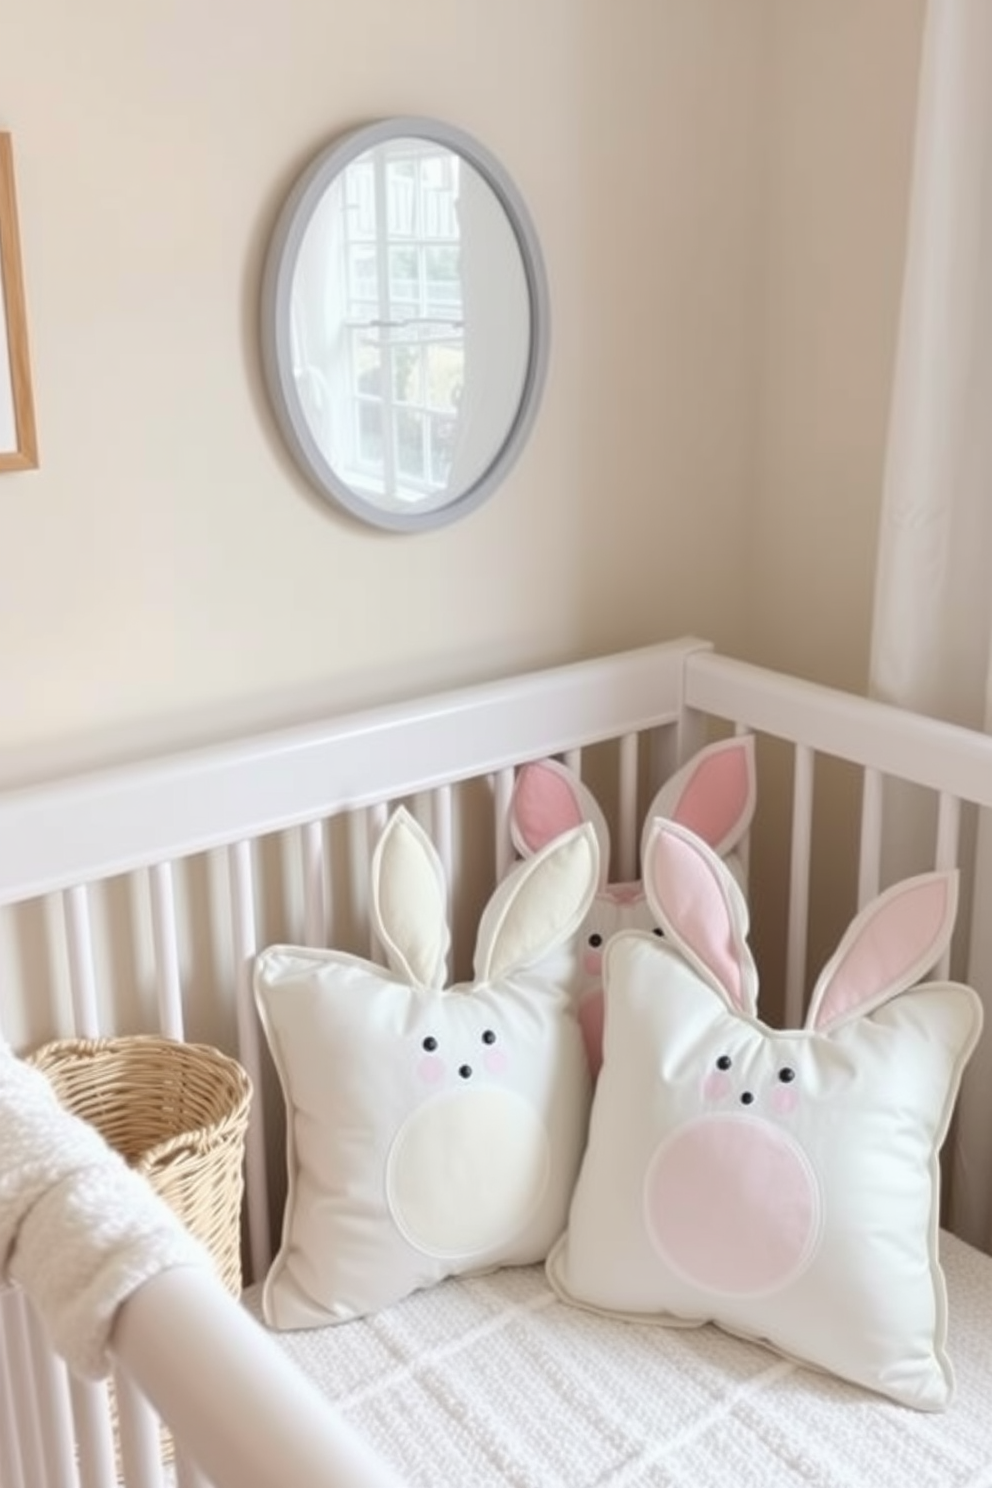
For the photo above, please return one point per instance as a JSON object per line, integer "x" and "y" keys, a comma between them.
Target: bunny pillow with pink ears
{"x": 431, "y": 1130}
{"x": 784, "y": 1185}
{"x": 713, "y": 794}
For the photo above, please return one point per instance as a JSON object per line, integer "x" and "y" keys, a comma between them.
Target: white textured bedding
{"x": 492, "y": 1381}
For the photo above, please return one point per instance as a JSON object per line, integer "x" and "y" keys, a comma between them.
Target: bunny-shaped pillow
{"x": 781, "y": 1184}
{"x": 713, "y": 793}
{"x": 430, "y": 1131}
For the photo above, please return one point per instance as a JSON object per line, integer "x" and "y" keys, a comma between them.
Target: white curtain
{"x": 932, "y": 634}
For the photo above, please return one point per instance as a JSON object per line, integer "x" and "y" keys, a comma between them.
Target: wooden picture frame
{"x": 18, "y": 436}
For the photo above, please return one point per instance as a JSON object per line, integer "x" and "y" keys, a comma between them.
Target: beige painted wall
{"x": 719, "y": 187}
{"x": 842, "y": 95}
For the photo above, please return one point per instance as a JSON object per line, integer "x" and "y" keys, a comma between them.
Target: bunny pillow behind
{"x": 713, "y": 794}
{"x": 430, "y": 1130}
{"x": 781, "y": 1184}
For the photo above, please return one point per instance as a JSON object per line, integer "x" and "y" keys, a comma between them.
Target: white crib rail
{"x": 890, "y": 747}
{"x": 111, "y": 822}
{"x": 262, "y": 1423}
{"x": 875, "y": 735}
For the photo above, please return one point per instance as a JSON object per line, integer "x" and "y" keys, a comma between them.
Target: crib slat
{"x": 165, "y": 940}
{"x": 443, "y": 817}
{"x": 743, "y": 848}
{"x": 802, "y": 831}
{"x": 10, "y": 1457}
{"x": 82, "y": 977}
{"x": 627, "y": 825}
{"x": 314, "y": 884}
{"x": 948, "y": 831}
{"x": 52, "y": 1398}
{"x": 245, "y": 945}
{"x": 946, "y": 854}
{"x": 442, "y": 813}
{"x": 94, "y": 1434}
{"x": 23, "y": 1396}
{"x": 378, "y": 815}
{"x": 373, "y": 821}
{"x": 140, "y": 1438}
{"x": 10, "y": 1424}
{"x": 870, "y": 849}
{"x": 502, "y": 783}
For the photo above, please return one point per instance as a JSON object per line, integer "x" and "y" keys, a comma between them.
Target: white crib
{"x": 135, "y": 899}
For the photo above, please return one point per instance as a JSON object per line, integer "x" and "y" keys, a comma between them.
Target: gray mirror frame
{"x": 277, "y": 282}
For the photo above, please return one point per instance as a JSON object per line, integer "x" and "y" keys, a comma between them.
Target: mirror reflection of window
{"x": 401, "y": 260}
{"x": 405, "y": 238}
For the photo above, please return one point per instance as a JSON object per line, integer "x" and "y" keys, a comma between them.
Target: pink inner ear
{"x": 696, "y": 910}
{"x": 715, "y": 797}
{"x": 899, "y": 937}
{"x": 544, "y": 806}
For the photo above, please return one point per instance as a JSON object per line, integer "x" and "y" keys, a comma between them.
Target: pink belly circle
{"x": 732, "y": 1204}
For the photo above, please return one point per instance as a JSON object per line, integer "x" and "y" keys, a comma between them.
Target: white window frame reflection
{"x": 404, "y": 316}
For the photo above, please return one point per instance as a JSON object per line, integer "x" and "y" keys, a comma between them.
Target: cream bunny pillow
{"x": 781, "y": 1184}
{"x": 430, "y": 1130}
{"x": 713, "y": 794}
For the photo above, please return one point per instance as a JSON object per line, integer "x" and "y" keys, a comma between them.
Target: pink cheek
{"x": 496, "y": 1061}
{"x": 732, "y": 1204}
{"x": 431, "y": 1069}
{"x": 592, "y": 962}
{"x": 784, "y": 1099}
{"x": 716, "y": 1085}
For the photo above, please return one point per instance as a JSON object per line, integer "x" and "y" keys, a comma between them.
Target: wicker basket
{"x": 178, "y": 1113}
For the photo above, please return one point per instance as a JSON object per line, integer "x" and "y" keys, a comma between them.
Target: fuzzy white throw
{"x": 79, "y": 1231}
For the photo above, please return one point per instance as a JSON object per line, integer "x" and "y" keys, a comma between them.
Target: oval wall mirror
{"x": 405, "y": 323}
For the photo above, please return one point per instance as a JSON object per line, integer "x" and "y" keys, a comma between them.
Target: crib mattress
{"x": 491, "y": 1380}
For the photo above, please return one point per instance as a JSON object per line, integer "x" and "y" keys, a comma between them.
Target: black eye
{"x": 658, "y": 931}
{"x": 465, "y": 1070}
{"x": 488, "y": 1037}
{"x": 786, "y": 1074}
{"x": 430, "y": 1044}
{"x": 595, "y": 940}
{"x": 746, "y": 1098}
{"x": 724, "y": 1062}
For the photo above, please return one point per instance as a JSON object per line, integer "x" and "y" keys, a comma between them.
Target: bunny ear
{"x": 549, "y": 799}
{"x": 713, "y": 794}
{"x": 539, "y": 904}
{"x": 409, "y": 902}
{"x": 702, "y": 911}
{"x": 889, "y": 946}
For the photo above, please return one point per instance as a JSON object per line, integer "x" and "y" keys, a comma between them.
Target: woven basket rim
{"x": 87, "y": 1047}
{"x": 79, "y": 1052}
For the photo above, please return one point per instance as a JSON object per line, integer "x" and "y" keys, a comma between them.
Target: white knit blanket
{"x": 79, "y": 1231}
{"x": 491, "y": 1381}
